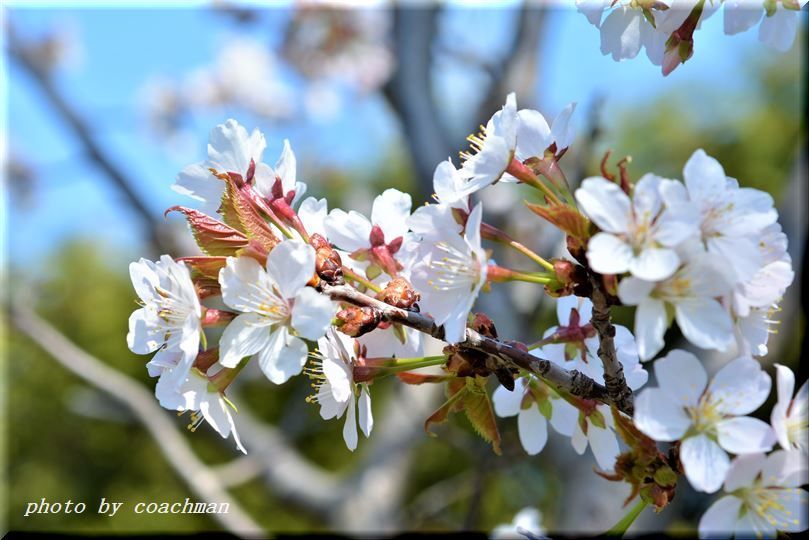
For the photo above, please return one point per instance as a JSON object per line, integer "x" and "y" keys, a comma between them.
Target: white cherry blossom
{"x": 492, "y": 149}
{"x": 169, "y": 321}
{"x": 230, "y": 150}
{"x": 281, "y": 180}
{"x": 637, "y": 235}
{"x": 709, "y": 419}
{"x": 731, "y": 218}
{"x": 576, "y": 344}
{"x": 527, "y": 523}
{"x": 274, "y": 302}
{"x": 763, "y": 497}
{"x": 526, "y": 402}
{"x": 337, "y": 393}
{"x": 692, "y": 292}
{"x": 598, "y": 435}
{"x": 379, "y": 239}
{"x": 790, "y": 415}
{"x": 753, "y": 331}
{"x": 777, "y": 30}
{"x": 197, "y": 396}
{"x": 450, "y": 275}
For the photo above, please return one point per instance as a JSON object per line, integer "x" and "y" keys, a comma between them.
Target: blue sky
{"x": 121, "y": 48}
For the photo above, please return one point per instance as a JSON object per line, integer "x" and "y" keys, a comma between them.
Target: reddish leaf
{"x": 208, "y": 267}
{"x": 239, "y": 212}
{"x": 212, "y": 236}
{"x": 455, "y": 392}
{"x": 566, "y": 218}
{"x": 408, "y": 377}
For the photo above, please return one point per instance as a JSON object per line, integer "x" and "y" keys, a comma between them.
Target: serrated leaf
{"x": 564, "y": 217}
{"x": 212, "y": 236}
{"x": 478, "y": 409}
{"x": 455, "y": 393}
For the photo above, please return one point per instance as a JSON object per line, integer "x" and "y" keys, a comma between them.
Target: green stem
{"x": 620, "y": 528}
{"x": 530, "y": 278}
{"x": 349, "y": 274}
{"x": 406, "y": 364}
{"x": 531, "y": 255}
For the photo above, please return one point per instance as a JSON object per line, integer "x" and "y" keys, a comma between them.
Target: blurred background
{"x": 104, "y": 106}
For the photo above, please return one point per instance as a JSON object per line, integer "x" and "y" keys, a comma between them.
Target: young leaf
{"x": 213, "y": 237}
{"x": 478, "y": 409}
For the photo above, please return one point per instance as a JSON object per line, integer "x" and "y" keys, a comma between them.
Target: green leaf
{"x": 455, "y": 391}
{"x": 478, "y": 409}
{"x": 241, "y": 214}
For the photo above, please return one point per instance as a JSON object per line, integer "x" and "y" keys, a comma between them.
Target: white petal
{"x": 579, "y": 440}
{"x": 533, "y": 430}
{"x": 283, "y": 357}
{"x": 244, "y": 336}
{"x": 650, "y": 327}
{"x": 740, "y": 387}
{"x": 785, "y": 383}
{"x": 705, "y": 463}
{"x": 681, "y": 375}
{"x": 719, "y": 521}
{"x": 620, "y": 34}
{"x": 743, "y": 471}
{"x": 507, "y": 402}
{"x": 704, "y": 176}
{"x": 740, "y": 16}
{"x": 447, "y": 180}
{"x": 654, "y": 264}
{"x": 286, "y": 168}
{"x": 659, "y": 416}
{"x": 245, "y": 284}
{"x": 231, "y": 149}
{"x": 349, "y": 231}
{"x": 291, "y": 264}
{"x": 790, "y": 510}
{"x": 564, "y": 417}
{"x": 604, "y": 445}
{"x": 751, "y": 524}
{"x": 339, "y": 377}
{"x": 329, "y": 407}
{"x": 705, "y": 323}
{"x": 197, "y": 182}
{"x": 785, "y": 468}
{"x": 533, "y": 134}
{"x": 141, "y": 339}
{"x": 609, "y": 254}
{"x": 312, "y": 313}
{"x": 350, "y": 427}
{"x": 632, "y": 291}
{"x": 561, "y": 131}
{"x": 605, "y": 203}
{"x": 779, "y": 30}
{"x": 366, "y": 415}
{"x": 390, "y": 211}
{"x": 745, "y": 435}
{"x": 312, "y": 213}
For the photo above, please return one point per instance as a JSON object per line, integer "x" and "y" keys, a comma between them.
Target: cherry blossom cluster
{"x": 665, "y": 28}
{"x": 347, "y": 299}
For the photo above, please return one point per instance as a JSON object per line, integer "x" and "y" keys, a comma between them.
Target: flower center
{"x": 456, "y": 269}
{"x": 705, "y": 415}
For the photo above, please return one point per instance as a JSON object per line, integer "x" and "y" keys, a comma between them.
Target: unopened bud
{"x": 328, "y": 264}
{"x": 399, "y": 293}
{"x": 355, "y": 321}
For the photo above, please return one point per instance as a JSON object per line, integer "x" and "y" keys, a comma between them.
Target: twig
{"x": 198, "y": 476}
{"x": 619, "y": 392}
{"x": 572, "y": 381}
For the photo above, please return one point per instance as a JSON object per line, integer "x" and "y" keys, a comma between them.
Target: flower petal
{"x": 740, "y": 387}
{"x": 705, "y": 463}
{"x": 283, "y": 357}
{"x": 533, "y": 430}
{"x": 650, "y": 327}
{"x": 609, "y": 254}
{"x": 745, "y": 435}
{"x": 244, "y": 336}
{"x": 659, "y": 416}
{"x": 604, "y": 445}
{"x": 312, "y": 313}
{"x": 743, "y": 471}
{"x": 390, "y": 211}
{"x": 719, "y": 521}
{"x": 350, "y": 427}
{"x": 605, "y": 203}
{"x": 366, "y": 415}
{"x": 564, "y": 417}
{"x": 705, "y": 323}
{"x": 349, "y": 231}
{"x": 291, "y": 264}
{"x": 533, "y": 134}
{"x": 680, "y": 375}
{"x": 508, "y": 402}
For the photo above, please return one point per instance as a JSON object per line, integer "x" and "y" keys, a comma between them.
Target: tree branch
{"x": 198, "y": 476}
{"x": 572, "y": 381}
{"x": 617, "y": 389}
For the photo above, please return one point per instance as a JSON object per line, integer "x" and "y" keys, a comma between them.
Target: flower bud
{"x": 484, "y": 326}
{"x": 328, "y": 264}
{"x": 399, "y": 293}
{"x": 355, "y": 321}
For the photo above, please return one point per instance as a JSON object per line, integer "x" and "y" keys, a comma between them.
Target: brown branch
{"x": 572, "y": 381}
{"x": 199, "y": 477}
{"x": 617, "y": 389}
